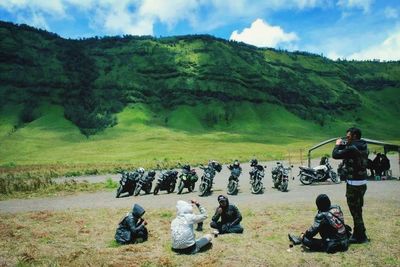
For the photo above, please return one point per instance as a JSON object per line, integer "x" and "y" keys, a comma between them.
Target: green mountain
{"x": 127, "y": 95}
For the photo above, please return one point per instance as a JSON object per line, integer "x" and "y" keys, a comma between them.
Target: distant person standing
{"x": 354, "y": 153}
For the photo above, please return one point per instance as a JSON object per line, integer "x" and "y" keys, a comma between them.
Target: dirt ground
{"x": 377, "y": 190}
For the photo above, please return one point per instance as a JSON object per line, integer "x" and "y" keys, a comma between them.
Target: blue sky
{"x": 352, "y": 29}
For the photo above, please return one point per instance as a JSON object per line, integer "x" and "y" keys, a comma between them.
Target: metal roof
{"x": 386, "y": 146}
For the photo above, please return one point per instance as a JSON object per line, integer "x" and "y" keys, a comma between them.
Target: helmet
{"x": 323, "y": 202}
{"x": 186, "y": 167}
{"x": 140, "y": 170}
{"x": 253, "y": 162}
{"x": 151, "y": 173}
{"x": 236, "y": 163}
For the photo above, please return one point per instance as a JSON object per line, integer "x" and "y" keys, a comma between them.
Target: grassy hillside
{"x": 106, "y": 102}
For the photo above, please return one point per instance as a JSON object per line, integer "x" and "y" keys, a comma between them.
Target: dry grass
{"x": 85, "y": 238}
{"x": 37, "y": 187}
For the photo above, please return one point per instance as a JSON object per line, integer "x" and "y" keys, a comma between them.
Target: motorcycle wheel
{"x": 335, "y": 178}
{"x": 119, "y": 191}
{"x": 232, "y": 188}
{"x": 137, "y": 190}
{"x": 180, "y": 187}
{"x": 171, "y": 188}
{"x": 191, "y": 187}
{"x": 276, "y": 184}
{"x": 305, "y": 179}
{"x": 284, "y": 186}
{"x": 203, "y": 189}
{"x": 257, "y": 188}
{"x": 156, "y": 189}
{"x": 148, "y": 191}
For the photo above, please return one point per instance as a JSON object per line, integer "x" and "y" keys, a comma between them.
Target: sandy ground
{"x": 377, "y": 190}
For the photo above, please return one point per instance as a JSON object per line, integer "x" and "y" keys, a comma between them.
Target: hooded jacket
{"x": 182, "y": 232}
{"x": 355, "y": 159}
{"x": 130, "y": 226}
{"x": 230, "y": 214}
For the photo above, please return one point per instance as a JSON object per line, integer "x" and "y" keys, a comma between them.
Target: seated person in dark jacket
{"x": 329, "y": 223}
{"x": 131, "y": 228}
{"x": 229, "y": 215}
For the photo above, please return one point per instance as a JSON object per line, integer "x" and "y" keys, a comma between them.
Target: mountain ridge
{"x": 96, "y": 78}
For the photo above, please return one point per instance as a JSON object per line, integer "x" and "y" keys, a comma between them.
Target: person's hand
{"x": 339, "y": 141}
{"x": 219, "y": 210}
{"x": 144, "y": 222}
{"x": 193, "y": 201}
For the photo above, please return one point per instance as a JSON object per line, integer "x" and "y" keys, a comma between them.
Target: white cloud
{"x": 350, "y": 4}
{"x": 262, "y": 34}
{"x": 168, "y": 12}
{"x": 54, "y": 7}
{"x": 36, "y": 20}
{"x": 387, "y": 50}
{"x": 139, "y": 17}
{"x": 391, "y": 13}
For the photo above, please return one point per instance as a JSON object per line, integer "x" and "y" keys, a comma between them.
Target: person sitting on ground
{"x": 182, "y": 233}
{"x": 132, "y": 228}
{"x": 230, "y": 217}
{"x": 385, "y": 164}
{"x": 329, "y": 223}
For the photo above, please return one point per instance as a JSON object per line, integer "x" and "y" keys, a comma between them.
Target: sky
{"x": 337, "y": 29}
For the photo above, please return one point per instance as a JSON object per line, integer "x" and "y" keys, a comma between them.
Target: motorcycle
{"x": 233, "y": 183}
{"x": 127, "y": 183}
{"x": 256, "y": 176}
{"x": 280, "y": 176}
{"x": 208, "y": 177}
{"x": 188, "y": 179}
{"x": 320, "y": 173}
{"x": 145, "y": 183}
{"x": 166, "y": 181}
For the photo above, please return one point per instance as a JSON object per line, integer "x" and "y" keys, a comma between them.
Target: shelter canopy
{"x": 387, "y": 147}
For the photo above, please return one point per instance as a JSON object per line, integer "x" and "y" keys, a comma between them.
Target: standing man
{"x": 354, "y": 153}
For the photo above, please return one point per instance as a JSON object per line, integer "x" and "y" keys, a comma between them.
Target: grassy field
{"x": 147, "y": 136}
{"x": 85, "y": 238}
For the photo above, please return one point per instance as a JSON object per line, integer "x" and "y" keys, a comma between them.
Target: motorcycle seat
{"x": 305, "y": 168}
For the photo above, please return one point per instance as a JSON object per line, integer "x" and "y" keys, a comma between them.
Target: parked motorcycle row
{"x": 132, "y": 183}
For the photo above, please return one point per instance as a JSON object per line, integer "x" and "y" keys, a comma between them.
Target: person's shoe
{"x": 294, "y": 239}
{"x": 358, "y": 240}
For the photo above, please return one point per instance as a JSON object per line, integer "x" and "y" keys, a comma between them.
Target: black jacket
{"x": 230, "y": 214}
{"x": 130, "y": 227}
{"x": 329, "y": 224}
{"x": 355, "y": 159}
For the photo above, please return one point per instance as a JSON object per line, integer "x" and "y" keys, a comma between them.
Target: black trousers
{"x": 355, "y": 201}
{"x": 223, "y": 228}
{"x": 330, "y": 246}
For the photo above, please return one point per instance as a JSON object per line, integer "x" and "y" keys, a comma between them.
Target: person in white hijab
{"x": 182, "y": 232}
